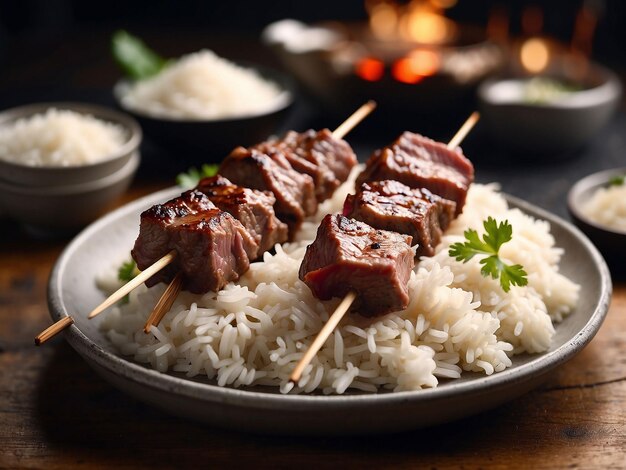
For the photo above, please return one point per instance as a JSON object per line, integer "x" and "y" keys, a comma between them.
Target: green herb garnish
{"x": 192, "y": 177}
{"x": 496, "y": 235}
{"x": 136, "y": 59}
{"x": 617, "y": 180}
{"x": 127, "y": 271}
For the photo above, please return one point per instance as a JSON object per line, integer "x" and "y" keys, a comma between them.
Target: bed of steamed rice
{"x": 59, "y": 138}
{"x": 607, "y": 206}
{"x": 254, "y": 332}
{"x": 204, "y": 86}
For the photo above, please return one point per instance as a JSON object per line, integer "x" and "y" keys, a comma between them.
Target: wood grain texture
{"x": 55, "y": 412}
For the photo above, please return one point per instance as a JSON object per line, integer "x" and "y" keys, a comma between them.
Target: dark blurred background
{"x": 60, "y": 50}
{"x": 59, "y": 45}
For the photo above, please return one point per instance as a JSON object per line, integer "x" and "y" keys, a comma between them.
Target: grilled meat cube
{"x": 348, "y": 255}
{"x": 253, "y": 208}
{"x": 322, "y": 177}
{"x": 390, "y": 205}
{"x": 212, "y": 247}
{"x": 420, "y": 162}
{"x": 326, "y": 159}
{"x": 322, "y": 146}
{"x": 153, "y": 241}
{"x": 294, "y": 192}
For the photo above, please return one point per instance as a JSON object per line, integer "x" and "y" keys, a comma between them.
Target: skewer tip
{"x": 354, "y": 119}
{"x": 467, "y": 126}
{"x": 53, "y": 330}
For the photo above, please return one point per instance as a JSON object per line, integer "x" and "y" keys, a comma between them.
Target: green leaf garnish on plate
{"x": 126, "y": 272}
{"x": 496, "y": 235}
{"x": 192, "y": 177}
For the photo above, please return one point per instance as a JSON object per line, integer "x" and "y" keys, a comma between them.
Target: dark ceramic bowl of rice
{"x": 200, "y": 138}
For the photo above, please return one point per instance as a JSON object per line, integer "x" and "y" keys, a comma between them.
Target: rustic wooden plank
{"x": 84, "y": 424}
{"x": 604, "y": 359}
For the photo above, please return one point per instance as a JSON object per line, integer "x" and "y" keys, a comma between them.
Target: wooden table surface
{"x": 55, "y": 412}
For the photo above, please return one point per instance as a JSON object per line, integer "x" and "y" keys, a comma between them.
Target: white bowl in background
{"x": 27, "y": 175}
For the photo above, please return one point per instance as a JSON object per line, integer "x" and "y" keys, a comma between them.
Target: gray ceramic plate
{"x": 72, "y": 291}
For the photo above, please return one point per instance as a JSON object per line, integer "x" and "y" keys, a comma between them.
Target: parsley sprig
{"x": 192, "y": 177}
{"x": 496, "y": 235}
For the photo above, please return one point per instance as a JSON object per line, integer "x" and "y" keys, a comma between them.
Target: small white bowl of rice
{"x": 63, "y": 164}
{"x": 203, "y": 102}
{"x": 597, "y": 204}
{"x": 56, "y": 144}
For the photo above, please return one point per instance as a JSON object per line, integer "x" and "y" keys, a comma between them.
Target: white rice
{"x": 204, "y": 86}
{"x": 607, "y": 206}
{"x": 254, "y": 332}
{"x": 59, "y": 138}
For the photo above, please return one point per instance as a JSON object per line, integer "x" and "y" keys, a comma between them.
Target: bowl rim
{"x": 606, "y": 92}
{"x": 592, "y": 181}
{"x": 130, "y": 124}
{"x": 284, "y": 100}
{"x": 77, "y": 188}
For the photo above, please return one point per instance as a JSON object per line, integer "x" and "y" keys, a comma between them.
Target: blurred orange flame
{"x": 418, "y": 64}
{"x": 421, "y": 21}
{"x": 370, "y": 69}
{"x": 535, "y": 55}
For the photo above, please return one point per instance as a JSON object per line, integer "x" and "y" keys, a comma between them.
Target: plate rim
{"x": 244, "y": 398}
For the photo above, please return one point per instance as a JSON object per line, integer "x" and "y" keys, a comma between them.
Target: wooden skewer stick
{"x": 142, "y": 277}
{"x": 324, "y": 333}
{"x": 356, "y": 117}
{"x": 350, "y": 297}
{"x": 165, "y": 302}
{"x": 53, "y": 330}
{"x": 464, "y": 130}
{"x": 119, "y": 294}
{"x": 170, "y": 294}
{"x": 168, "y": 297}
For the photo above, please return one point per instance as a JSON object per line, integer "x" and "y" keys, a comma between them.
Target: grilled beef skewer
{"x": 222, "y": 226}
{"x": 261, "y": 222}
{"x": 388, "y": 205}
{"x": 463, "y": 175}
